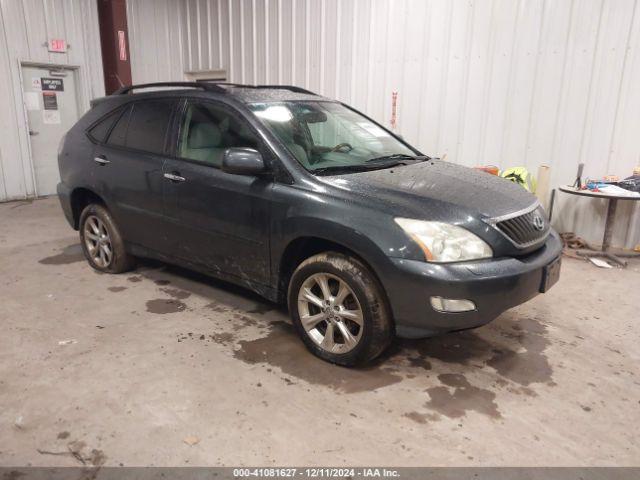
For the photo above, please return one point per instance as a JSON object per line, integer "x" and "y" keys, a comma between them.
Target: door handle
{"x": 174, "y": 177}
{"x": 33, "y": 133}
{"x": 101, "y": 160}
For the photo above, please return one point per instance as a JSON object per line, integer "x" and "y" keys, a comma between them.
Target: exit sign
{"x": 57, "y": 45}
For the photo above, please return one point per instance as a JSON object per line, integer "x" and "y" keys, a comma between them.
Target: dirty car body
{"x": 270, "y": 184}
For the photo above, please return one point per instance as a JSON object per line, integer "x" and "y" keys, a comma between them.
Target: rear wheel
{"x": 101, "y": 241}
{"x": 339, "y": 309}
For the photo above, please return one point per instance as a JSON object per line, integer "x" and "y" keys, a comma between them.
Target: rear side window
{"x": 118, "y": 134}
{"x": 101, "y": 129}
{"x": 148, "y": 125}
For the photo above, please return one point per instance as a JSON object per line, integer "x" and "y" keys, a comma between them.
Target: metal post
{"x": 608, "y": 225}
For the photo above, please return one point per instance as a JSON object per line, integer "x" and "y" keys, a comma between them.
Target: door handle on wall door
{"x": 174, "y": 177}
{"x": 101, "y": 160}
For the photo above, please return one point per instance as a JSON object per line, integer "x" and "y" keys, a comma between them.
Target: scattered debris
{"x": 47, "y": 452}
{"x": 572, "y": 242}
{"x": 75, "y": 449}
{"x": 191, "y": 440}
{"x": 97, "y": 458}
{"x": 19, "y": 423}
{"x": 67, "y": 342}
{"x": 599, "y": 263}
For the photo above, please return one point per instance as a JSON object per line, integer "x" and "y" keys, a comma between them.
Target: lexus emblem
{"x": 538, "y": 222}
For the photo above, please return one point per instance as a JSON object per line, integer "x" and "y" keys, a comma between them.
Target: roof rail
{"x": 291, "y": 88}
{"x": 210, "y": 87}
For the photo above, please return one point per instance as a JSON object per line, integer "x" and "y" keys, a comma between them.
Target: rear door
{"x": 129, "y": 166}
{"x": 221, "y": 221}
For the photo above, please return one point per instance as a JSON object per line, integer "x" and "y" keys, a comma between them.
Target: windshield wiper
{"x": 376, "y": 163}
{"x": 398, "y": 156}
{"x": 343, "y": 168}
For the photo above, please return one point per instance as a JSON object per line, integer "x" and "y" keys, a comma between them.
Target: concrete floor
{"x": 123, "y": 369}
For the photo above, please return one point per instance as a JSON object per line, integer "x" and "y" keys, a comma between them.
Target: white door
{"x": 52, "y": 108}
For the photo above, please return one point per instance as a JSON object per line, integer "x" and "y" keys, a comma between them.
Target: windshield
{"x": 327, "y": 136}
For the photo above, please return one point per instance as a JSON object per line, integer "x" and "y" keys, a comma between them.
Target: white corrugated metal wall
{"x": 505, "y": 82}
{"x": 25, "y": 27}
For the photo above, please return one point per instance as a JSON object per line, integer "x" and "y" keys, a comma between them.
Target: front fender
{"x": 349, "y": 237}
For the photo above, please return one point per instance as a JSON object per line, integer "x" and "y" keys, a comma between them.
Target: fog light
{"x": 452, "y": 305}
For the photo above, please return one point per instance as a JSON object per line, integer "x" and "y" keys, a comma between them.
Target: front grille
{"x": 527, "y": 229}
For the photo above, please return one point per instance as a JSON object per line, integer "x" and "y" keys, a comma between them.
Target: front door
{"x": 221, "y": 221}
{"x": 50, "y": 100}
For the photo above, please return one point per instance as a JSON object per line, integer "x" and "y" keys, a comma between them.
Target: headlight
{"x": 443, "y": 242}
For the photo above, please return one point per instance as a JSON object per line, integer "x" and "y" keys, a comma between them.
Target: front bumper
{"x": 494, "y": 286}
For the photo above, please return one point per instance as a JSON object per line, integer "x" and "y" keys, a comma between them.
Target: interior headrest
{"x": 204, "y": 135}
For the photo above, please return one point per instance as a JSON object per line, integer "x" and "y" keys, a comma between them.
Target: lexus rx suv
{"x": 305, "y": 201}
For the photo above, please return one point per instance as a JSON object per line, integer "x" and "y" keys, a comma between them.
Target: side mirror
{"x": 243, "y": 161}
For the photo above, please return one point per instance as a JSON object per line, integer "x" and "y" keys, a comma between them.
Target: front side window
{"x": 208, "y": 130}
{"x": 326, "y": 136}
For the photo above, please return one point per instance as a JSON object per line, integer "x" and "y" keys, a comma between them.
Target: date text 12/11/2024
{"x": 315, "y": 473}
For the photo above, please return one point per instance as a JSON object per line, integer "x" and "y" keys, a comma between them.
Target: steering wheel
{"x": 341, "y": 148}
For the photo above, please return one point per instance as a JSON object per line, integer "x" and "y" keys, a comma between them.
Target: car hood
{"x": 426, "y": 186}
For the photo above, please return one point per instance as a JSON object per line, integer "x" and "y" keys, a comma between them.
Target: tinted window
{"x": 148, "y": 125}
{"x": 100, "y": 131}
{"x": 208, "y": 130}
{"x": 119, "y": 132}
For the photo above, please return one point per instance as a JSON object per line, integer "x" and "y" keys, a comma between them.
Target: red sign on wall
{"x": 122, "y": 46}
{"x": 394, "y": 110}
{"x": 57, "y": 45}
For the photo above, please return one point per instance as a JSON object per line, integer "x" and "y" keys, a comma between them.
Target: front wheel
{"x": 339, "y": 309}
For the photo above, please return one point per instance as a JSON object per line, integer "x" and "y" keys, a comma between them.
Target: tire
{"x": 95, "y": 222}
{"x": 362, "y": 310}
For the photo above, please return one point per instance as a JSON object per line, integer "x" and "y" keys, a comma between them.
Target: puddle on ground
{"x": 70, "y": 254}
{"x": 165, "y": 305}
{"x": 116, "y": 289}
{"x": 457, "y": 396}
{"x": 511, "y": 347}
{"x": 176, "y": 293}
{"x": 223, "y": 338}
{"x": 520, "y": 360}
{"x": 462, "y": 348}
{"x": 528, "y": 366}
{"x": 422, "y": 418}
{"x": 283, "y": 349}
{"x": 262, "y": 308}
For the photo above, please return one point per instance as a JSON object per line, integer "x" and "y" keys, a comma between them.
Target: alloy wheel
{"x": 330, "y": 313}
{"x": 98, "y": 241}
